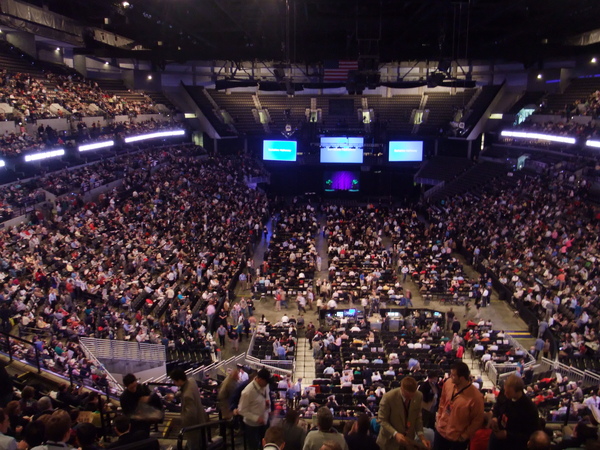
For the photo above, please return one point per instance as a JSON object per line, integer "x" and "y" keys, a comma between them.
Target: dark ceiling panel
{"x": 330, "y": 29}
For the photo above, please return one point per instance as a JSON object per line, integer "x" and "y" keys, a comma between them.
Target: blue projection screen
{"x": 279, "y": 150}
{"x": 342, "y": 150}
{"x": 406, "y": 151}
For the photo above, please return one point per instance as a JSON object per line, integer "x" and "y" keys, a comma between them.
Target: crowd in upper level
{"x": 65, "y": 96}
{"x": 59, "y": 96}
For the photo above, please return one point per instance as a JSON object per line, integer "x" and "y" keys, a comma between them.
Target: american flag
{"x": 338, "y": 70}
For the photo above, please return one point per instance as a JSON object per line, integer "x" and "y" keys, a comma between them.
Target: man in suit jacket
{"x": 192, "y": 410}
{"x": 401, "y": 418}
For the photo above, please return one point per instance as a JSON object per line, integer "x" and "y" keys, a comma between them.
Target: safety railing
{"x": 257, "y": 364}
{"x": 203, "y": 434}
{"x": 587, "y": 377}
{"x": 123, "y": 350}
{"x": 492, "y": 374}
{"x": 113, "y": 384}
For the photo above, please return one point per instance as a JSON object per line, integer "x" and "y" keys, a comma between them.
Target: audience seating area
{"x": 393, "y": 113}
{"x": 350, "y": 379}
{"x": 547, "y": 264}
{"x": 290, "y": 260}
{"x": 442, "y": 108}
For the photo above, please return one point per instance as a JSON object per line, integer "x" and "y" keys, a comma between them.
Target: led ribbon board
{"x": 44, "y": 155}
{"x": 96, "y": 146}
{"x": 591, "y": 143}
{"x": 161, "y": 134}
{"x": 538, "y": 136}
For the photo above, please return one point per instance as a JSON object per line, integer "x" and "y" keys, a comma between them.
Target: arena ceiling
{"x": 517, "y": 30}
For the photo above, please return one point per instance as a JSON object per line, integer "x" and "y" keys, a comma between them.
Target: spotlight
{"x": 594, "y": 60}
{"x": 58, "y": 49}
{"x": 149, "y": 77}
{"x": 125, "y": 4}
{"x": 540, "y": 76}
{"x": 106, "y": 63}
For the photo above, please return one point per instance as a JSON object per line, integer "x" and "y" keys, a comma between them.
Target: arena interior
{"x": 342, "y": 193}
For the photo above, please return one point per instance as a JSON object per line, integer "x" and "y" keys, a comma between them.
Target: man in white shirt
{"x": 242, "y": 375}
{"x": 593, "y": 403}
{"x": 254, "y": 407}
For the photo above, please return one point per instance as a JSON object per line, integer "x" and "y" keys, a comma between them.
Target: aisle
{"x": 305, "y": 363}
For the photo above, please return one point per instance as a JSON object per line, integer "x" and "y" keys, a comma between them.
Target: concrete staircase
{"x": 305, "y": 363}
{"x": 476, "y": 371}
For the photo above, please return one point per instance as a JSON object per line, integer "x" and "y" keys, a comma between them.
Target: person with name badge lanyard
{"x": 460, "y": 411}
{"x": 400, "y": 417}
{"x": 255, "y": 408}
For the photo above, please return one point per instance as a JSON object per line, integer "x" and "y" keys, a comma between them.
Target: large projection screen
{"x": 406, "y": 151}
{"x": 343, "y": 150}
{"x": 280, "y": 150}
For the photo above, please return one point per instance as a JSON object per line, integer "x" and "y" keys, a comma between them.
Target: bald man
{"x": 539, "y": 440}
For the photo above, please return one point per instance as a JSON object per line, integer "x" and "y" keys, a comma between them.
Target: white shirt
{"x": 592, "y": 402}
{"x": 254, "y": 404}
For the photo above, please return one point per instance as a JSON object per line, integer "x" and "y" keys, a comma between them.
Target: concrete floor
{"x": 499, "y": 312}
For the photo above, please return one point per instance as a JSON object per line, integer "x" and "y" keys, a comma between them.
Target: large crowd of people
{"x": 65, "y": 96}
{"x": 540, "y": 238}
{"x": 64, "y": 275}
{"x": 33, "y": 98}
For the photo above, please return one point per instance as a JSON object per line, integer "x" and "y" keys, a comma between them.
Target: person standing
{"x": 515, "y": 417}
{"x": 274, "y": 439}
{"x": 6, "y": 442}
{"x": 460, "y": 412}
{"x": 301, "y": 300}
{"x": 222, "y": 333}
{"x": 192, "y": 410}
{"x": 359, "y": 437}
{"x": 130, "y": 399}
{"x": 404, "y": 273}
{"x": 325, "y": 432}
{"x": 254, "y": 407}
{"x": 226, "y": 392}
{"x": 234, "y": 338}
{"x": 401, "y": 418}
{"x": 449, "y": 318}
{"x": 429, "y": 389}
{"x": 294, "y": 434}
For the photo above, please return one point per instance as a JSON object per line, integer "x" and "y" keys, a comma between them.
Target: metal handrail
{"x": 113, "y": 383}
{"x": 204, "y": 429}
{"x": 10, "y": 352}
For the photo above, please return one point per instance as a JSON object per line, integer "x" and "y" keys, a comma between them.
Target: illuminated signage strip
{"x": 97, "y": 145}
{"x": 538, "y": 136}
{"x": 44, "y": 155}
{"x": 593, "y": 144}
{"x": 161, "y": 134}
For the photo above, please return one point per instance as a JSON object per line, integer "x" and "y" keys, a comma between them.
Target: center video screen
{"x": 345, "y": 150}
{"x": 280, "y": 150}
{"x": 341, "y": 180}
{"x": 406, "y": 151}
